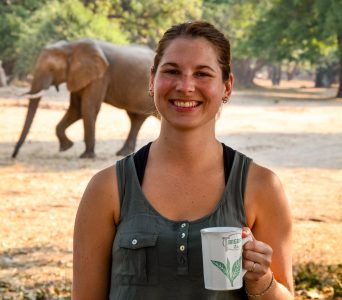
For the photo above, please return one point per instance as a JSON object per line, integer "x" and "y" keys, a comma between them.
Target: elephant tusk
{"x": 37, "y": 95}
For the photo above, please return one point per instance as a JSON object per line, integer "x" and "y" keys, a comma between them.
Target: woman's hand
{"x": 257, "y": 258}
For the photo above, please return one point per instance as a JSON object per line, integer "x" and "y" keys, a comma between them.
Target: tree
{"x": 60, "y": 20}
{"x": 329, "y": 15}
{"x": 145, "y": 21}
{"x": 236, "y": 18}
{"x": 12, "y": 14}
{"x": 300, "y": 30}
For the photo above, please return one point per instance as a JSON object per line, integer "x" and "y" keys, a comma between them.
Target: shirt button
{"x": 183, "y": 235}
{"x": 183, "y": 225}
{"x": 134, "y": 242}
{"x": 182, "y": 248}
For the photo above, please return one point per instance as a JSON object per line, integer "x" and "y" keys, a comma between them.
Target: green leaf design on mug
{"x": 228, "y": 268}
{"x": 225, "y": 269}
{"x": 236, "y": 269}
{"x": 221, "y": 266}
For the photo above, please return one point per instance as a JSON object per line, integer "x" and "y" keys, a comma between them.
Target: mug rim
{"x": 221, "y": 230}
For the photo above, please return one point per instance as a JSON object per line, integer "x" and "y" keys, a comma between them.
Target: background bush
{"x": 67, "y": 20}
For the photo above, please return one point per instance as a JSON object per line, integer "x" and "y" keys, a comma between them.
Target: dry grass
{"x": 39, "y": 191}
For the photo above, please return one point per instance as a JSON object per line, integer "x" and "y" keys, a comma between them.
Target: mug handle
{"x": 248, "y": 238}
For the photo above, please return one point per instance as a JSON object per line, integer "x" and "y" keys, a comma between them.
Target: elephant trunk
{"x": 41, "y": 81}
{"x": 32, "y": 108}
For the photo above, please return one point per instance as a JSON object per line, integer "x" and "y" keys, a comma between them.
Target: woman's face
{"x": 188, "y": 84}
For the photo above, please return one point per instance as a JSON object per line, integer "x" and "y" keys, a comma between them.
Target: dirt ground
{"x": 295, "y": 129}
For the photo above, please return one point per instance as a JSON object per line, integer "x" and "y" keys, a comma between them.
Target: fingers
{"x": 257, "y": 258}
{"x": 256, "y": 262}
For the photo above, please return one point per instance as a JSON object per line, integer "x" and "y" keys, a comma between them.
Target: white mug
{"x": 222, "y": 257}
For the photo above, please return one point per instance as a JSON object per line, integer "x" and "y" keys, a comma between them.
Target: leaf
{"x": 236, "y": 268}
{"x": 220, "y": 265}
{"x": 228, "y": 268}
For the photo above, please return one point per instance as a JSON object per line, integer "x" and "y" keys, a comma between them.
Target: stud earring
{"x": 151, "y": 93}
{"x": 225, "y": 99}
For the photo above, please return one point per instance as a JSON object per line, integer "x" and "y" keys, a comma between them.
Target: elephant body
{"x": 95, "y": 72}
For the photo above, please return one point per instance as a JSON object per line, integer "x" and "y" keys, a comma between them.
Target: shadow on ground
{"x": 302, "y": 151}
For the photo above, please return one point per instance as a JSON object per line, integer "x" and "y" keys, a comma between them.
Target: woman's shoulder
{"x": 104, "y": 179}
{"x": 261, "y": 177}
{"x": 102, "y": 191}
{"x": 264, "y": 193}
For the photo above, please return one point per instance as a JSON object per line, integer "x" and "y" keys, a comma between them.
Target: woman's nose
{"x": 185, "y": 84}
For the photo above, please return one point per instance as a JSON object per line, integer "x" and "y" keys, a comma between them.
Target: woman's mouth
{"x": 185, "y": 103}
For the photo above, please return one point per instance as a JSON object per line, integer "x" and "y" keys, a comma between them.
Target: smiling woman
{"x": 144, "y": 239}
{"x": 188, "y": 80}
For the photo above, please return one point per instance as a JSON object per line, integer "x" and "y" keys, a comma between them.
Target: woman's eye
{"x": 202, "y": 74}
{"x": 172, "y": 71}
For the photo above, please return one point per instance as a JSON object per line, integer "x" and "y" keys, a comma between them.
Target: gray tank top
{"x": 156, "y": 258}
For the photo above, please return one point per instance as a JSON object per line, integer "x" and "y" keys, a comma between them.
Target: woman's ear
{"x": 229, "y": 85}
{"x": 151, "y": 80}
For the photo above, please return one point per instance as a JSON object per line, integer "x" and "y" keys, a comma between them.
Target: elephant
{"x": 95, "y": 72}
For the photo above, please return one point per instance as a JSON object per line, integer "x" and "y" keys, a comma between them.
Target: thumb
{"x": 246, "y": 231}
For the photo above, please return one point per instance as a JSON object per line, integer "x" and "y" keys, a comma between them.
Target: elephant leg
{"x": 71, "y": 116}
{"x": 91, "y": 102}
{"x": 136, "y": 121}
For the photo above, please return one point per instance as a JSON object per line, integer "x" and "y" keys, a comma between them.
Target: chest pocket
{"x": 135, "y": 260}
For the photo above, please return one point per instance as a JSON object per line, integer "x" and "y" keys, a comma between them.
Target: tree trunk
{"x": 319, "y": 78}
{"x": 290, "y": 74}
{"x": 8, "y": 66}
{"x": 339, "y": 39}
{"x": 3, "y": 81}
{"x": 244, "y": 72}
{"x": 276, "y": 75}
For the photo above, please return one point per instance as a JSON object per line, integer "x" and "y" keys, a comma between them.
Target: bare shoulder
{"x": 266, "y": 204}
{"x": 264, "y": 195}
{"x": 104, "y": 179}
{"x": 261, "y": 177}
{"x": 102, "y": 192}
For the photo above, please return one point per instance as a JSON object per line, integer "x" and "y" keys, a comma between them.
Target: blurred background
{"x": 271, "y": 39}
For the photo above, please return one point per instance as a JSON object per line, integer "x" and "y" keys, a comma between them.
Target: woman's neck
{"x": 187, "y": 147}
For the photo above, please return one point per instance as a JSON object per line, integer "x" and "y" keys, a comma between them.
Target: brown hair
{"x": 197, "y": 29}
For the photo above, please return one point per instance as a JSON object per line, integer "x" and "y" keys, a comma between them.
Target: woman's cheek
{"x": 164, "y": 85}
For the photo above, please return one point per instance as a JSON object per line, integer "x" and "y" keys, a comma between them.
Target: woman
{"x": 137, "y": 231}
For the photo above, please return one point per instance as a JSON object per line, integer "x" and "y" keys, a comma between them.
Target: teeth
{"x": 185, "y": 103}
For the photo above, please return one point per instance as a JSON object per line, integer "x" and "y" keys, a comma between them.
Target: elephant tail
{"x": 31, "y": 111}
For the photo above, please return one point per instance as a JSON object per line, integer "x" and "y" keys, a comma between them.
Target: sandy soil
{"x": 297, "y": 132}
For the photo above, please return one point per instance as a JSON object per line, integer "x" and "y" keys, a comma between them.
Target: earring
{"x": 151, "y": 93}
{"x": 225, "y": 99}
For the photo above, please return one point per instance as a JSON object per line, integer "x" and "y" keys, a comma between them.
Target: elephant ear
{"x": 87, "y": 63}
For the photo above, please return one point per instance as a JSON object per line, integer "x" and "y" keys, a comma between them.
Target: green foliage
{"x": 12, "y": 15}
{"x": 273, "y": 32}
{"x": 319, "y": 277}
{"x": 297, "y": 30}
{"x": 236, "y": 19}
{"x": 56, "y": 20}
{"x": 260, "y": 31}
{"x": 146, "y": 21}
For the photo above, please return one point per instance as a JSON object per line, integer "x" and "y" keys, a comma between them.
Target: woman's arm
{"x": 269, "y": 218}
{"x": 97, "y": 215}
